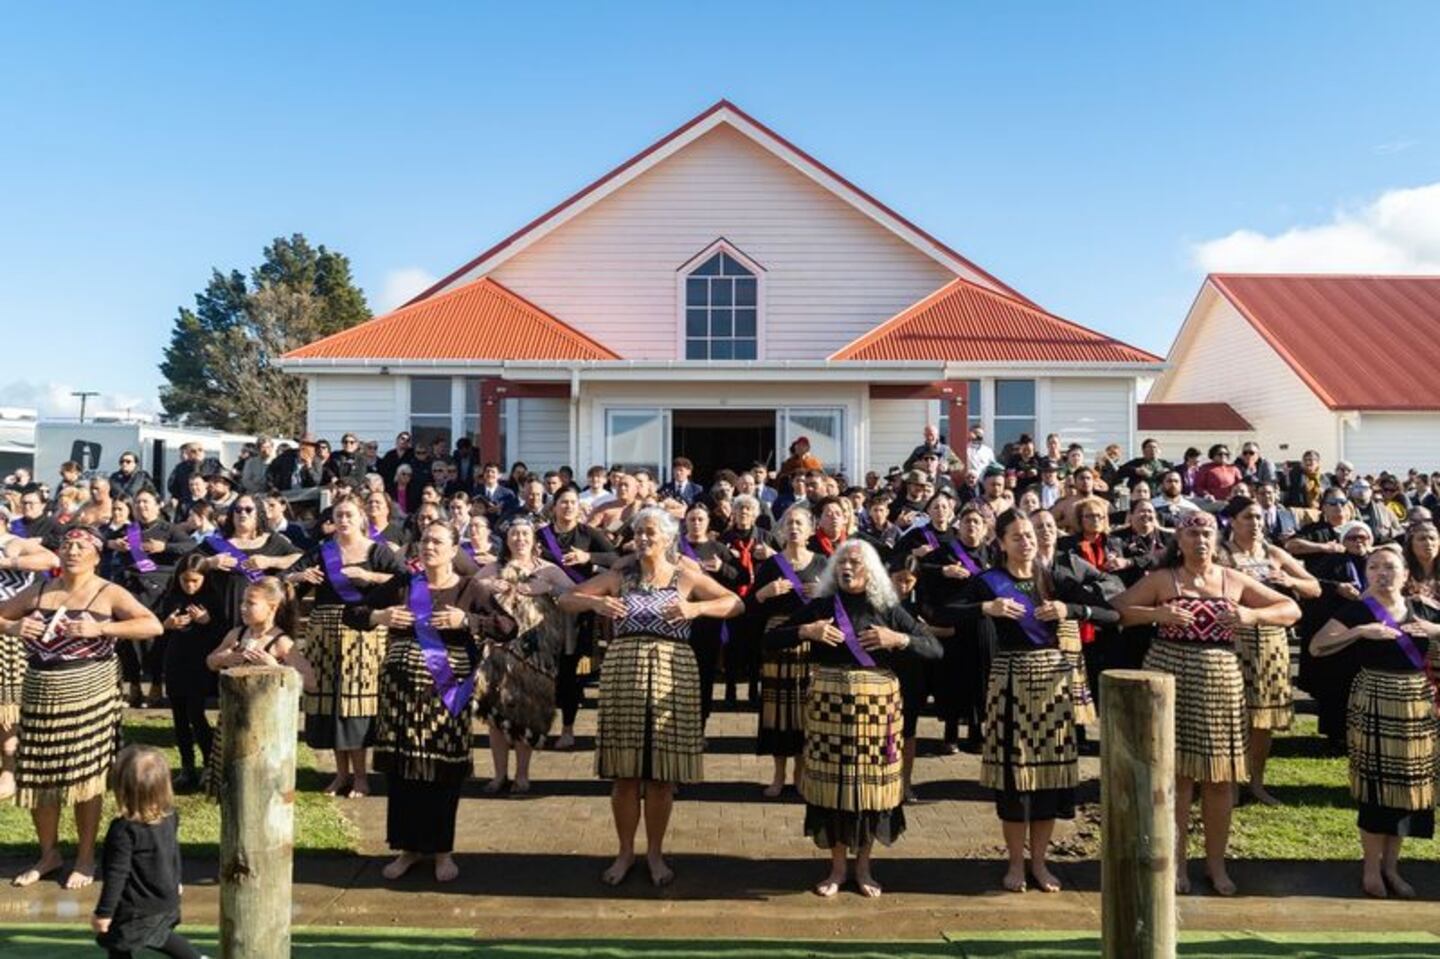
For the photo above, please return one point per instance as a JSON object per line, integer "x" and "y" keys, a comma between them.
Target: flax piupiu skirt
{"x": 1265, "y": 666}
{"x": 1030, "y": 756}
{"x": 341, "y": 712}
{"x": 12, "y": 678}
{"x": 69, "y": 732}
{"x": 1081, "y": 695}
{"x": 1211, "y": 736}
{"x": 784, "y": 681}
{"x": 648, "y": 725}
{"x": 1391, "y": 735}
{"x": 851, "y": 779}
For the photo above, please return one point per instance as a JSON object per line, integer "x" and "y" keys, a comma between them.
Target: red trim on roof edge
{"x": 680, "y": 131}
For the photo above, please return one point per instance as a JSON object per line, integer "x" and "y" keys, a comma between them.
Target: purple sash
{"x": 1402, "y": 638}
{"x": 17, "y": 527}
{"x": 335, "y": 572}
{"x": 1004, "y": 587}
{"x": 961, "y": 557}
{"x": 689, "y": 551}
{"x": 789, "y": 573}
{"x": 1354, "y": 572}
{"x": 455, "y": 694}
{"x": 375, "y": 534}
{"x": 222, "y": 545}
{"x": 468, "y": 548}
{"x": 553, "y": 545}
{"x": 142, "y": 562}
{"x": 852, "y": 642}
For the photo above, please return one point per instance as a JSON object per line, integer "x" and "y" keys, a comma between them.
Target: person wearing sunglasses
{"x": 130, "y": 479}
{"x": 242, "y": 547}
{"x": 1254, "y": 468}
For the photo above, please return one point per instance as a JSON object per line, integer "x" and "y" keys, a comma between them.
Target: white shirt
{"x": 978, "y": 456}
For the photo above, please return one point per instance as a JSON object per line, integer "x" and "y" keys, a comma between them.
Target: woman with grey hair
{"x": 648, "y": 735}
{"x": 857, "y": 632}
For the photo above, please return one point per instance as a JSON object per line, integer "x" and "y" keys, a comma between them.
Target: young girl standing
{"x": 267, "y": 612}
{"x": 193, "y": 613}
{"x": 139, "y": 906}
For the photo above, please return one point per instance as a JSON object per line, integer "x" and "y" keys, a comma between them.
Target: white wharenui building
{"x": 717, "y": 295}
{"x": 1348, "y": 366}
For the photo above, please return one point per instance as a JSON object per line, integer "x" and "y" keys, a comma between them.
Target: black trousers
{"x": 569, "y": 692}
{"x": 176, "y": 947}
{"x": 142, "y": 661}
{"x": 192, "y": 728}
{"x": 706, "y": 645}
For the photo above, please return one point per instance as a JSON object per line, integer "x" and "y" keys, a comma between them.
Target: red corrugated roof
{"x": 1360, "y": 342}
{"x": 1214, "y": 417}
{"x": 658, "y": 144}
{"x": 478, "y": 321}
{"x": 963, "y": 322}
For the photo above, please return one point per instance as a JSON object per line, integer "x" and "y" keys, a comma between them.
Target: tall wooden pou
{"x": 1137, "y": 800}
{"x": 259, "y": 706}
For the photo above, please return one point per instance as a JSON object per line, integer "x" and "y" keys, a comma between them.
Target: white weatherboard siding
{"x": 1091, "y": 412}
{"x": 896, "y": 427}
{"x": 542, "y": 436}
{"x": 1221, "y": 359}
{"x": 364, "y": 405}
{"x": 1392, "y": 441}
{"x": 1173, "y": 443}
{"x": 831, "y": 275}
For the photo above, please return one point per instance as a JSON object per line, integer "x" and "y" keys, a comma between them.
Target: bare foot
{"x": 1220, "y": 881}
{"x": 830, "y": 885}
{"x": 81, "y": 876}
{"x": 7, "y": 784}
{"x": 566, "y": 741}
{"x": 773, "y": 790}
{"x": 660, "y": 873}
{"x": 1045, "y": 880}
{"x": 400, "y": 865}
{"x": 869, "y": 888}
{"x": 1182, "y": 881}
{"x": 618, "y": 870}
{"x": 520, "y": 787}
{"x": 1014, "y": 880}
{"x": 361, "y": 789}
{"x": 445, "y": 868}
{"x": 1398, "y": 886}
{"x": 1262, "y": 795}
{"x": 48, "y": 863}
{"x": 340, "y": 785}
{"x": 910, "y": 795}
{"x": 1374, "y": 887}
{"x": 495, "y": 785}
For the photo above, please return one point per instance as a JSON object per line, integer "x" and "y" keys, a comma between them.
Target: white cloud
{"x": 1398, "y": 232}
{"x": 1393, "y": 147}
{"x": 400, "y": 285}
{"x": 54, "y": 399}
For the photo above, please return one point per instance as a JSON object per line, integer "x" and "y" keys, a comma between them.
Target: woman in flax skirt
{"x": 1264, "y": 650}
{"x": 782, "y": 587}
{"x": 648, "y": 736}
{"x": 518, "y": 672}
{"x": 1196, "y": 605}
{"x": 853, "y": 780}
{"x": 1392, "y": 727}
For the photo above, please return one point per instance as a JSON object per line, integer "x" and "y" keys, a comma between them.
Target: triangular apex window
{"x": 721, "y": 299}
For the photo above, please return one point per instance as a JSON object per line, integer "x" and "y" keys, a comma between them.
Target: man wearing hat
{"x": 918, "y": 487}
{"x": 993, "y": 493}
{"x": 1382, "y": 522}
{"x": 222, "y": 488}
{"x": 1049, "y": 486}
{"x": 1024, "y": 462}
{"x": 297, "y": 469}
{"x": 801, "y": 460}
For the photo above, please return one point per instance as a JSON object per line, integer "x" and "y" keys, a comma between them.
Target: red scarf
{"x": 1092, "y": 551}
{"x": 826, "y": 546}
{"x": 747, "y": 562}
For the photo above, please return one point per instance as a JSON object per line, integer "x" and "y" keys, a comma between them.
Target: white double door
{"x": 641, "y": 437}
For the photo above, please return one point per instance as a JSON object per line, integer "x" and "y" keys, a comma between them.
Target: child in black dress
{"x": 193, "y": 612}
{"x": 139, "y": 905}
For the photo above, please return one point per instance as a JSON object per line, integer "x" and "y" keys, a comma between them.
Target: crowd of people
{"x": 424, "y": 593}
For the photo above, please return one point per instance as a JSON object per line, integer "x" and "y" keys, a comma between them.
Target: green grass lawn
{"x": 1318, "y": 818}
{"x": 32, "y": 942}
{"x": 319, "y": 825}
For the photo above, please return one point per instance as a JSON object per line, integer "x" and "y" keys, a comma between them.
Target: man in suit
{"x": 497, "y": 501}
{"x": 680, "y": 486}
{"x": 1280, "y": 522}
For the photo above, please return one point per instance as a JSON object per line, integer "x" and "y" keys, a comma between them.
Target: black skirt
{"x": 420, "y": 816}
{"x": 129, "y": 933}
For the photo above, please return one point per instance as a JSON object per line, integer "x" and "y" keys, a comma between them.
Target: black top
{"x": 147, "y": 587}
{"x": 1386, "y": 654}
{"x": 142, "y": 869}
{"x": 582, "y": 537}
{"x": 1075, "y": 583}
{"x": 466, "y": 595}
{"x": 379, "y": 558}
{"x": 790, "y": 603}
{"x": 744, "y": 542}
{"x": 235, "y": 581}
{"x": 862, "y": 615}
{"x": 1143, "y": 552}
{"x": 933, "y": 589}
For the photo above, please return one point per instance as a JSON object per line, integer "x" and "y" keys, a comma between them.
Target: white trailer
{"x": 97, "y": 444}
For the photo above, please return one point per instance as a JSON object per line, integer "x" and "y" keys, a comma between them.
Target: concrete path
{"x": 530, "y": 867}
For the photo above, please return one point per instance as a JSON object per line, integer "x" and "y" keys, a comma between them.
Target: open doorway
{"x": 723, "y": 439}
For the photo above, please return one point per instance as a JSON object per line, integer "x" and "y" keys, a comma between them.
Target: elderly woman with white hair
{"x": 648, "y": 734}
{"x": 857, "y": 631}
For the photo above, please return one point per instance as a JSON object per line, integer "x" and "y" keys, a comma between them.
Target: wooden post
{"x": 258, "y": 719}
{"x": 1137, "y": 801}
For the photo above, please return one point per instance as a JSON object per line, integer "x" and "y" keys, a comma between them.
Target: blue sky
{"x": 1096, "y": 157}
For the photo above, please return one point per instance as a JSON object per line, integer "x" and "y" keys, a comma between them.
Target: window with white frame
{"x": 721, "y": 310}
{"x": 430, "y": 409}
{"x": 1014, "y": 411}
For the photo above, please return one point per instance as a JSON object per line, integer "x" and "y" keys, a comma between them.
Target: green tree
{"x": 220, "y": 365}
